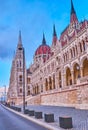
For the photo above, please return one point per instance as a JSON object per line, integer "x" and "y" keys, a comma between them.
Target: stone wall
{"x": 34, "y": 100}
{"x": 76, "y": 97}
{"x": 73, "y": 97}
{"x": 66, "y": 98}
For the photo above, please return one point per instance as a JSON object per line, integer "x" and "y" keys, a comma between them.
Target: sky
{"x": 32, "y": 17}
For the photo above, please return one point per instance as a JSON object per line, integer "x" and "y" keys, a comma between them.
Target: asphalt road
{"x": 11, "y": 121}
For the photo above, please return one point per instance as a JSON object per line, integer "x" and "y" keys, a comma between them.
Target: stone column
{"x": 73, "y": 53}
{"x": 64, "y": 80}
{"x": 78, "y": 49}
{"x": 81, "y": 71}
{"x": 44, "y": 86}
{"x": 72, "y": 74}
{"x": 70, "y": 54}
{"x": 52, "y": 84}
{"x": 56, "y": 81}
{"x": 48, "y": 85}
{"x": 82, "y": 46}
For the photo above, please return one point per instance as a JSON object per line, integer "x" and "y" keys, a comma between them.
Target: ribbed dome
{"x": 43, "y": 48}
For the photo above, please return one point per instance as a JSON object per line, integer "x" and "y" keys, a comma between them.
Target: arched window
{"x": 28, "y": 80}
{"x": 85, "y": 67}
{"x": 71, "y": 53}
{"x": 84, "y": 46}
{"x": 20, "y": 90}
{"x": 80, "y": 47}
{"x": 67, "y": 55}
{"x": 60, "y": 85}
{"x": 20, "y": 64}
{"x": 46, "y": 84}
{"x": 76, "y": 49}
{"x": 68, "y": 77}
{"x": 54, "y": 81}
{"x": 50, "y": 83}
{"x": 20, "y": 78}
{"x": 64, "y": 57}
{"x": 28, "y": 93}
{"x": 17, "y": 64}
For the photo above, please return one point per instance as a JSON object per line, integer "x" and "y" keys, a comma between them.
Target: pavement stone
{"x": 79, "y": 117}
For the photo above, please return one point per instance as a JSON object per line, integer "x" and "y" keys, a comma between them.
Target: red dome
{"x": 43, "y": 49}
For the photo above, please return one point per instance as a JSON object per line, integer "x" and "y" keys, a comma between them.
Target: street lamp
{"x": 23, "y": 80}
{"x": 4, "y": 93}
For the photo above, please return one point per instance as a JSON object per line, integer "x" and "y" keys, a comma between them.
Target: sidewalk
{"x": 77, "y": 116}
{"x": 38, "y": 121}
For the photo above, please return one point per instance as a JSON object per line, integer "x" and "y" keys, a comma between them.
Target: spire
{"x": 54, "y": 31}
{"x": 19, "y": 41}
{"x": 54, "y": 36}
{"x": 73, "y": 17}
{"x": 43, "y": 40}
{"x": 72, "y": 8}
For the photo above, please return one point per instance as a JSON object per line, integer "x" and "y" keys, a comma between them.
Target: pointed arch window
{"x": 80, "y": 47}
{"x": 20, "y": 78}
{"x": 84, "y": 46}
{"x": 17, "y": 64}
{"x": 20, "y": 90}
{"x": 20, "y": 64}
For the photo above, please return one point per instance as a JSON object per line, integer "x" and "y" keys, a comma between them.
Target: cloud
{"x": 3, "y": 27}
{"x": 5, "y": 53}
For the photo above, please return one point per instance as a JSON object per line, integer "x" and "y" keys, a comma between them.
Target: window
{"x": 80, "y": 47}
{"x": 20, "y": 78}
{"x": 84, "y": 47}
{"x": 17, "y": 64}
{"x": 20, "y": 63}
{"x": 20, "y": 90}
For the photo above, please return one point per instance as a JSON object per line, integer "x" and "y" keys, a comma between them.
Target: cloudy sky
{"x": 32, "y": 17}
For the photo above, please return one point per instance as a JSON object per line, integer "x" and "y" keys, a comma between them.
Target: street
{"x": 11, "y": 121}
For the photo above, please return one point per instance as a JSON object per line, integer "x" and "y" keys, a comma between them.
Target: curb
{"x": 44, "y": 124}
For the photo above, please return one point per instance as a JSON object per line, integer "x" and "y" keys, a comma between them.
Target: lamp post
{"x": 23, "y": 80}
{"x": 4, "y": 93}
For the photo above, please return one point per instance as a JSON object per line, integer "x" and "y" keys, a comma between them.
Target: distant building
{"x": 3, "y": 93}
{"x": 59, "y": 73}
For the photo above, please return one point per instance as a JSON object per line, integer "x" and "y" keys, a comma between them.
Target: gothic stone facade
{"x": 59, "y": 73}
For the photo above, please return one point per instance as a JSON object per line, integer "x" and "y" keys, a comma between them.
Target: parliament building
{"x": 59, "y": 73}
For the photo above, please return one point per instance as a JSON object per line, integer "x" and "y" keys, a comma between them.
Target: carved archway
{"x": 59, "y": 82}
{"x": 85, "y": 67}
{"x": 68, "y": 77}
{"x": 50, "y": 83}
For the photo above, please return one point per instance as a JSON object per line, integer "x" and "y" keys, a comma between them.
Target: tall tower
{"x": 17, "y": 76}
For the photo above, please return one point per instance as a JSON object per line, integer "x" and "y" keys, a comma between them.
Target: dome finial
{"x": 43, "y": 40}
